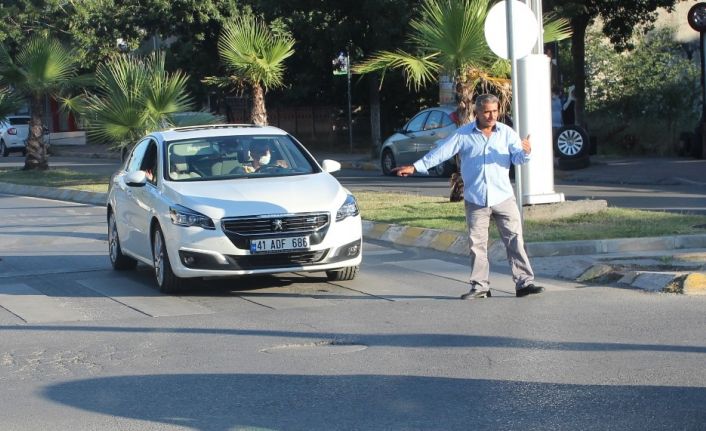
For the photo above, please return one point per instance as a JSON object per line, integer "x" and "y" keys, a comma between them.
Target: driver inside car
{"x": 262, "y": 158}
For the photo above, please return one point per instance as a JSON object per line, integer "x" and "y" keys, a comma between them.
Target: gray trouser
{"x": 507, "y": 218}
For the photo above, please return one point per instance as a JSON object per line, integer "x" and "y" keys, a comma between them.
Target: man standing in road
{"x": 487, "y": 149}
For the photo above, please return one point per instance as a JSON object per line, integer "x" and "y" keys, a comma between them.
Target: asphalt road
{"x": 84, "y": 347}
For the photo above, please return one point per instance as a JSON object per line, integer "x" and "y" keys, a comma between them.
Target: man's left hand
{"x": 526, "y": 145}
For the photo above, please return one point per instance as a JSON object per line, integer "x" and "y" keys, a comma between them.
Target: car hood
{"x": 252, "y": 196}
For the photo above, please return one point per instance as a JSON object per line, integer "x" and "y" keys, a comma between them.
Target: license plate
{"x": 273, "y": 245}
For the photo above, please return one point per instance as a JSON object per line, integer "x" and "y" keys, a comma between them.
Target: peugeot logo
{"x": 277, "y": 225}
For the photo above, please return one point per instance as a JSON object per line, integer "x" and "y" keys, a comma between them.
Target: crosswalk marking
{"x": 453, "y": 271}
{"x": 142, "y": 299}
{"x": 33, "y": 306}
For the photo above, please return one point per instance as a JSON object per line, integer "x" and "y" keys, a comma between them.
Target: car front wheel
{"x": 342, "y": 274}
{"x": 443, "y": 169}
{"x": 163, "y": 274}
{"x": 387, "y": 162}
{"x": 3, "y": 149}
{"x": 117, "y": 259}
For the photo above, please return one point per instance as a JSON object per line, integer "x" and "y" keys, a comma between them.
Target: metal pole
{"x": 702, "y": 41}
{"x": 515, "y": 103}
{"x": 350, "y": 115}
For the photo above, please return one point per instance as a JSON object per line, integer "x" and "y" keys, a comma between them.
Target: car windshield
{"x": 242, "y": 156}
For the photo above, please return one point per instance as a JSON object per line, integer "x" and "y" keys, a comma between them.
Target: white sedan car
{"x": 14, "y": 130}
{"x": 229, "y": 200}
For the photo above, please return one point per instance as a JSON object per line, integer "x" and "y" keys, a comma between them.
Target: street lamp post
{"x": 697, "y": 20}
{"x": 342, "y": 66}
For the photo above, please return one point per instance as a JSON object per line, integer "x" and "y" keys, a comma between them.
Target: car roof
{"x": 446, "y": 108}
{"x": 216, "y": 130}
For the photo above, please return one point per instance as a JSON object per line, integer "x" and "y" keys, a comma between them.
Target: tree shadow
{"x": 215, "y": 402}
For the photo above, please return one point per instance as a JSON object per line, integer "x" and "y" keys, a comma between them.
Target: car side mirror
{"x": 136, "y": 179}
{"x": 330, "y": 166}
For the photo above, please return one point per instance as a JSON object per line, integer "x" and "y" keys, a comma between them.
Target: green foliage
{"x": 642, "y": 97}
{"x": 42, "y": 66}
{"x": 253, "y": 52}
{"x": 134, "y": 96}
{"x": 9, "y": 102}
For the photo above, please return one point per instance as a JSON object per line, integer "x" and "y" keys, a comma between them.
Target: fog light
{"x": 353, "y": 250}
{"x": 188, "y": 260}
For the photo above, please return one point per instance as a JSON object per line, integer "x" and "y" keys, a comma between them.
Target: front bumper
{"x": 195, "y": 252}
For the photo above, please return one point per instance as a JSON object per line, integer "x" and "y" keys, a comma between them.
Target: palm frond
{"x": 254, "y": 53}
{"x": 9, "y": 102}
{"x": 418, "y": 70}
{"x": 46, "y": 65}
{"x": 133, "y": 97}
{"x": 455, "y": 29}
{"x": 555, "y": 28}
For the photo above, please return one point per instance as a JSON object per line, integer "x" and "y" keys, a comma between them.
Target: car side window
{"x": 137, "y": 155}
{"x": 446, "y": 120}
{"x": 149, "y": 162}
{"x": 433, "y": 121}
{"x": 416, "y": 124}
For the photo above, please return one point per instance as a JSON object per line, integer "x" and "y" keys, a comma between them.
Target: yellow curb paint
{"x": 695, "y": 284}
{"x": 443, "y": 241}
{"x": 410, "y": 235}
{"x": 378, "y": 230}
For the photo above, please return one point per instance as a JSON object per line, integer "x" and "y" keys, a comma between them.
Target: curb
{"x": 581, "y": 270}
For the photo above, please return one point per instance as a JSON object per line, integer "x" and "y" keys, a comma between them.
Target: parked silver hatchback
{"x": 417, "y": 138}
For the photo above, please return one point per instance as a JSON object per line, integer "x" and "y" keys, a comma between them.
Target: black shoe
{"x": 530, "y": 289}
{"x": 475, "y": 294}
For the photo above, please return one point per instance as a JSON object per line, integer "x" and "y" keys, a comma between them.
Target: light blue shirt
{"x": 485, "y": 162}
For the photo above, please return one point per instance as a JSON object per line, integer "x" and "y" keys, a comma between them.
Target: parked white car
{"x": 192, "y": 202}
{"x": 14, "y": 130}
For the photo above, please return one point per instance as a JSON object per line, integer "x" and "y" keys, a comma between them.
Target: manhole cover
{"x": 324, "y": 347}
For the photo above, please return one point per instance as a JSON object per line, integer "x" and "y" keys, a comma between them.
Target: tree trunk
{"x": 259, "y": 112}
{"x": 36, "y": 151}
{"x": 375, "y": 134}
{"x": 578, "y": 53}
{"x": 464, "y": 92}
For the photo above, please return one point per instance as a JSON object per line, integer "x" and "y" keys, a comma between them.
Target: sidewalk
{"x": 662, "y": 264}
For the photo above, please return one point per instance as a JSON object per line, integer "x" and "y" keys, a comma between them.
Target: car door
{"x": 432, "y": 127}
{"x": 135, "y": 205}
{"x": 407, "y": 146}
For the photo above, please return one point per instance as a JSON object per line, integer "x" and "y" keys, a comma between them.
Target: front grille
{"x": 265, "y": 261}
{"x": 240, "y": 230}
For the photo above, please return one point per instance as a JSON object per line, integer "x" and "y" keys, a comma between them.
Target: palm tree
{"x": 134, "y": 96}
{"x": 43, "y": 67}
{"x": 448, "y": 38}
{"x": 254, "y": 55}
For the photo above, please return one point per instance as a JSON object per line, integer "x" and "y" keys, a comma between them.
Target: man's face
{"x": 487, "y": 115}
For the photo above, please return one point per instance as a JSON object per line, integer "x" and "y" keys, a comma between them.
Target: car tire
{"x": 343, "y": 274}
{"x": 571, "y": 142}
{"x": 573, "y": 164}
{"x": 387, "y": 162}
{"x": 5, "y": 151}
{"x": 443, "y": 169}
{"x": 118, "y": 260}
{"x": 166, "y": 280}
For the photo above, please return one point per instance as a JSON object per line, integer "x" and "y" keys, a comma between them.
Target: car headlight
{"x": 183, "y": 216}
{"x": 348, "y": 209}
